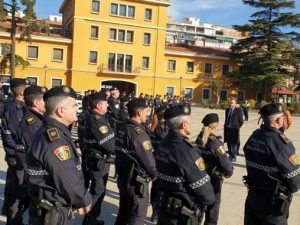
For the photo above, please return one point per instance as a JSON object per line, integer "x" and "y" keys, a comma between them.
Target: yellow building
{"x": 122, "y": 43}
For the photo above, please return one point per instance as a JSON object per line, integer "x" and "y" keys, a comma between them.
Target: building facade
{"x": 123, "y": 43}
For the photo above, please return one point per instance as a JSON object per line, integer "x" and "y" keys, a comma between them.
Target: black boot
{"x": 91, "y": 220}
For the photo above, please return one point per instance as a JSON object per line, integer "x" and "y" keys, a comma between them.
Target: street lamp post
{"x": 45, "y": 75}
{"x": 180, "y": 78}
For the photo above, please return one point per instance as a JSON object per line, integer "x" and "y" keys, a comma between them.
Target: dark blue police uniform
{"x": 135, "y": 167}
{"x": 114, "y": 113}
{"x": 273, "y": 173}
{"x": 100, "y": 147}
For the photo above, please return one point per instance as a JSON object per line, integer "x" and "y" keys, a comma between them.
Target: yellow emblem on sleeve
{"x": 103, "y": 129}
{"x": 138, "y": 130}
{"x": 147, "y": 145}
{"x": 63, "y": 153}
{"x": 221, "y": 150}
{"x": 200, "y": 164}
{"x": 30, "y": 120}
{"x": 294, "y": 159}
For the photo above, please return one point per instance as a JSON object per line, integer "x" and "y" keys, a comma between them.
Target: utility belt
{"x": 281, "y": 198}
{"x": 176, "y": 208}
{"x": 53, "y": 211}
{"x": 100, "y": 159}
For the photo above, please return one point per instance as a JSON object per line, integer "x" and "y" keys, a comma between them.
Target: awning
{"x": 284, "y": 91}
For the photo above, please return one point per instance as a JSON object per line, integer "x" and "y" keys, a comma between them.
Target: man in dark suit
{"x": 233, "y": 123}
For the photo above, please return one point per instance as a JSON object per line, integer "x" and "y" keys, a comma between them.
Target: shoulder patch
{"x": 97, "y": 117}
{"x": 53, "y": 134}
{"x": 284, "y": 138}
{"x": 63, "y": 153}
{"x": 138, "y": 130}
{"x": 294, "y": 159}
{"x": 190, "y": 142}
{"x": 200, "y": 163}
{"x": 221, "y": 150}
{"x": 147, "y": 145}
{"x": 103, "y": 129}
{"x": 30, "y": 120}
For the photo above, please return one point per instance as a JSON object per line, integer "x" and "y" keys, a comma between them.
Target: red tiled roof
{"x": 284, "y": 91}
{"x": 201, "y": 50}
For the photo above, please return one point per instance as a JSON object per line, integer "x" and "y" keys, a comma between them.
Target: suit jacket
{"x": 231, "y": 131}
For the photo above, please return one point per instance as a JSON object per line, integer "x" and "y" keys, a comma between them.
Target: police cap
{"x": 175, "y": 111}
{"x": 98, "y": 96}
{"x": 34, "y": 90}
{"x": 60, "y": 91}
{"x": 210, "y": 118}
{"x": 114, "y": 89}
{"x": 136, "y": 103}
{"x": 125, "y": 99}
{"x": 17, "y": 82}
{"x": 271, "y": 109}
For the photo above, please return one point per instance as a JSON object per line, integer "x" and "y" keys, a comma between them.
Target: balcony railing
{"x": 119, "y": 69}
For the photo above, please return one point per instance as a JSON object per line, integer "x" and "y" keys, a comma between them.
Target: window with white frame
{"x": 171, "y": 65}
{"x": 170, "y": 91}
{"x": 190, "y": 67}
{"x": 5, "y": 49}
{"x": 55, "y": 82}
{"x": 58, "y": 54}
{"x": 147, "y": 38}
{"x": 33, "y": 80}
{"x": 114, "y": 9}
{"x": 148, "y": 14}
{"x": 121, "y": 35}
{"x": 223, "y": 95}
{"x": 95, "y": 6}
{"x": 188, "y": 92}
{"x": 120, "y": 62}
{"x": 206, "y": 94}
{"x": 93, "y": 57}
{"x": 122, "y": 10}
{"x": 33, "y": 52}
{"x": 146, "y": 61}
{"x": 208, "y": 68}
{"x": 94, "y": 32}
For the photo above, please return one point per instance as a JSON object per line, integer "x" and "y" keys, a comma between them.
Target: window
{"x": 33, "y": 80}
{"x": 120, "y": 62}
{"x": 148, "y": 14}
{"x": 206, "y": 94}
{"x": 94, "y": 32}
{"x": 113, "y": 34}
{"x": 131, "y": 11}
{"x": 5, "y": 49}
{"x": 225, "y": 69}
{"x": 190, "y": 67}
{"x": 56, "y": 82}
{"x": 95, "y": 6}
{"x": 114, "y": 9}
{"x": 93, "y": 57}
{"x": 240, "y": 96}
{"x": 171, "y": 65}
{"x": 208, "y": 68}
{"x": 146, "y": 61}
{"x": 223, "y": 95}
{"x": 122, "y": 10}
{"x": 147, "y": 38}
{"x": 33, "y": 52}
{"x": 58, "y": 54}
{"x": 170, "y": 91}
{"x": 129, "y": 36}
{"x": 121, "y": 35}
{"x": 188, "y": 92}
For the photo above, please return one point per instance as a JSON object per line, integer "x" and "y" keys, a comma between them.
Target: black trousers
{"x": 259, "y": 210}
{"x": 132, "y": 208}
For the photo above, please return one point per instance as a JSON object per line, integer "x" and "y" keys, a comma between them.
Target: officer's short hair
{"x": 31, "y": 98}
{"x": 175, "y": 122}
{"x": 16, "y": 91}
{"x": 269, "y": 120}
{"x": 52, "y": 102}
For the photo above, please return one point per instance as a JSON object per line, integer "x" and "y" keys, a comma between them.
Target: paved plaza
{"x": 233, "y": 192}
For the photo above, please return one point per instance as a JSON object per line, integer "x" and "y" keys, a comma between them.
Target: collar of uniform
{"x": 136, "y": 123}
{"x": 38, "y": 115}
{"x": 264, "y": 127}
{"x": 17, "y": 101}
{"x": 177, "y": 135}
{"x": 95, "y": 113}
{"x": 54, "y": 123}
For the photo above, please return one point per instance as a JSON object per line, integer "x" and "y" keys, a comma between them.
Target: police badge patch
{"x": 147, "y": 145}
{"x": 103, "y": 129}
{"x": 200, "y": 164}
{"x": 30, "y": 120}
{"x": 294, "y": 159}
{"x": 62, "y": 153}
{"x": 221, "y": 150}
{"x": 53, "y": 134}
{"x": 138, "y": 130}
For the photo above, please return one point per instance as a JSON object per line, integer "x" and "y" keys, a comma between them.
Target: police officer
{"x": 10, "y": 124}
{"x": 101, "y": 145}
{"x": 184, "y": 187}
{"x": 218, "y": 165}
{"x": 273, "y": 171}
{"x": 135, "y": 165}
{"x": 55, "y": 179}
{"x": 114, "y": 108}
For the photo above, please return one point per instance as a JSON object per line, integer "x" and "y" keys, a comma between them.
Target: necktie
{"x": 229, "y": 117}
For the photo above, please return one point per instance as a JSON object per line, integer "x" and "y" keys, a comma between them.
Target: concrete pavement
{"x": 233, "y": 192}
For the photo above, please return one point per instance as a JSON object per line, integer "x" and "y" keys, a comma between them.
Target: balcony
{"x": 119, "y": 69}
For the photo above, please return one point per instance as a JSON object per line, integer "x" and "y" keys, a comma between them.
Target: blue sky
{"x": 220, "y": 12}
